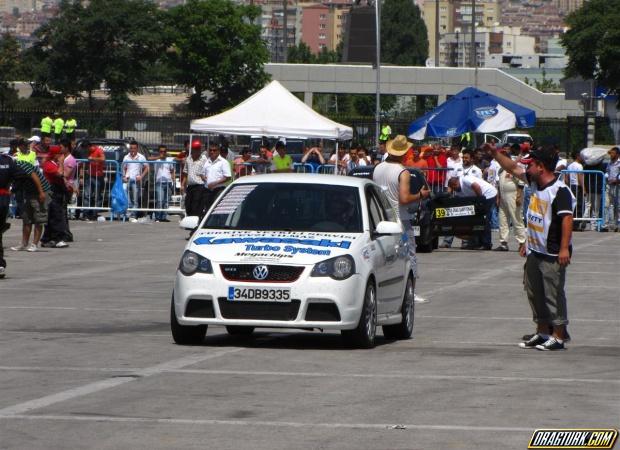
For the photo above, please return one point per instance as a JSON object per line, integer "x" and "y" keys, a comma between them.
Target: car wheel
{"x": 239, "y": 330}
{"x": 363, "y": 336}
{"x": 185, "y": 334}
{"x": 404, "y": 329}
{"x": 424, "y": 242}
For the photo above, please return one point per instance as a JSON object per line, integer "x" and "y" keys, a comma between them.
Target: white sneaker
{"x": 418, "y": 299}
{"x": 32, "y": 248}
{"x": 19, "y": 248}
{"x": 61, "y": 244}
{"x": 133, "y": 219}
{"x": 2, "y": 272}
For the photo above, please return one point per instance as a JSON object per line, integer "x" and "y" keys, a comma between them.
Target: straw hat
{"x": 398, "y": 146}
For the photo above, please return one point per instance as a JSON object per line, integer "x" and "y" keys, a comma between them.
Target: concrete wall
{"x": 440, "y": 81}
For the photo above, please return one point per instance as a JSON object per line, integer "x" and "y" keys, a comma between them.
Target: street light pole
{"x": 472, "y": 55}
{"x": 378, "y": 68}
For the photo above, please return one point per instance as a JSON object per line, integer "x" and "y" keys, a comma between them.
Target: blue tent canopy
{"x": 471, "y": 110}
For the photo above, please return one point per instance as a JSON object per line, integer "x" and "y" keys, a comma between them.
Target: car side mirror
{"x": 386, "y": 227}
{"x": 189, "y": 222}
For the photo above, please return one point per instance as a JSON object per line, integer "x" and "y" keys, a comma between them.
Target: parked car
{"x": 440, "y": 215}
{"x": 295, "y": 251}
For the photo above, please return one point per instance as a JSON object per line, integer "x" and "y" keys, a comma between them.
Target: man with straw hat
{"x": 394, "y": 179}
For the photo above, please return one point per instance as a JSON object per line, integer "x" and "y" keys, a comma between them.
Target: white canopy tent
{"x": 273, "y": 111}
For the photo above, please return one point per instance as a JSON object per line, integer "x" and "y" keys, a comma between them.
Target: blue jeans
{"x": 94, "y": 195}
{"x": 134, "y": 196}
{"x": 162, "y": 197}
{"x": 494, "y": 217}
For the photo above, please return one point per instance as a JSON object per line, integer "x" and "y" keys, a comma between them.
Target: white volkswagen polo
{"x": 296, "y": 251}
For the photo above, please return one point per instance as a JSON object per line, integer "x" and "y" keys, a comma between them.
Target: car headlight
{"x": 192, "y": 262}
{"x": 338, "y": 268}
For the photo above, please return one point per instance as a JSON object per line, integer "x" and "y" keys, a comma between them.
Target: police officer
{"x": 395, "y": 179}
{"x": 9, "y": 172}
{"x": 70, "y": 126}
{"x": 59, "y": 125}
{"x": 46, "y": 125}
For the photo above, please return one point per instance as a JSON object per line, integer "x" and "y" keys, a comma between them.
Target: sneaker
{"x": 503, "y": 247}
{"x": 527, "y": 337}
{"x": 61, "y": 244}
{"x": 2, "y": 272}
{"x": 48, "y": 244}
{"x": 533, "y": 342}
{"x": 19, "y": 248}
{"x": 551, "y": 344}
{"x": 32, "y": 248}
{"x": 133, "y": 220}
{"x": 418, "y": 299}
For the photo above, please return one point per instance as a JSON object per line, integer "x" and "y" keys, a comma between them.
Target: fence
{"x": 589, "y": 189}
{"x": 158, "y": 193}
{"x": 173, "y": 128}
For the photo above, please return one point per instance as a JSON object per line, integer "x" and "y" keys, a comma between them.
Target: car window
{"x": 288, "y": 207}
{"x": 388, "y": 210}
{"x": 375, "y": 211}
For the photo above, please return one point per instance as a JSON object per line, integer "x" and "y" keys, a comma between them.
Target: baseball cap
{"x": 54, "y": 150}
{"x": 34, "y": 138}
{"x": 196, "y": 144}
{"x": 547, "y": 156}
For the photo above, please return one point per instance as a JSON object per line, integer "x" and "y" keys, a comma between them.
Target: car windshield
{"x": 288, "y": 207}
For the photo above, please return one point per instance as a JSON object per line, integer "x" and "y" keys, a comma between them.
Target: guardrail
{"x": 589, "y": 189}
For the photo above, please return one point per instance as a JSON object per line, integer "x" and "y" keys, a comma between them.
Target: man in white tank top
{"x": 394, "y": 179}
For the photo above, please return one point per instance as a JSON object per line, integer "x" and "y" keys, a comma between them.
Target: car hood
{"x": 273, "y": 246}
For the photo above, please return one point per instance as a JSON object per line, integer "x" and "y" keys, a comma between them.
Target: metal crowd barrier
{"x": 589, "y": 189}
{"x": 437, "y": 178}
{"x": 153, "y": 195}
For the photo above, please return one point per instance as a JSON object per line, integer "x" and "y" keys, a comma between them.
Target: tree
{"x": 300, "y": 54}
{"x": 592, "y": 43}
{"x": 9, "y": 69}
{"x": 216, "y": 47}
{"x": 111, "y": 41}
{"x": 404, "y": 40}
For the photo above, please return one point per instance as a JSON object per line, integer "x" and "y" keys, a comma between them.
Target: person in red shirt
{"x": 413, "y": 159}
{"x": 94, "y": 183}
{"x": 56, "y": 228}
{"x": 437, "y": 162}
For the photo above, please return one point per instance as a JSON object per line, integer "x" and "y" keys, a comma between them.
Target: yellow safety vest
{"x": 70, "y": 126}
{"x": 58, "y": 125}
{"x": 29, "y": 158}
{"x": 385, "y": 133}
{"x": 46, "y": 124}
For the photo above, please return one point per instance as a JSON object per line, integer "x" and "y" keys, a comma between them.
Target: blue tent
{"x": 471, "y": 110}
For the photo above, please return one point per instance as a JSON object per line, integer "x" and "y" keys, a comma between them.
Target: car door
{"x": 398, "y": 269}
{"x": 383, "y": 251}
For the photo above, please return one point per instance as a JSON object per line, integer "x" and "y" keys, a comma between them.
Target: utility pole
{"x": 436, "y": 33}
{"x": 285, "y": 30}
{"x": 378, "y": 66}
{"x": 472, "y": 55}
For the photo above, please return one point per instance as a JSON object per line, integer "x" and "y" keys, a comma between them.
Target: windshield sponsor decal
{"x": 233, "y": 199}
{"x": 211, "y": 240}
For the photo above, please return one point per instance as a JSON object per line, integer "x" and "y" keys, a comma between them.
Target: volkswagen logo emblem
{"x": 260, "y": 272}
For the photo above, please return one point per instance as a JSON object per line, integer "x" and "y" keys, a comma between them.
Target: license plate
{"x": 455, "y": 211}
{"x": 416, "y": 230}
{"x": 259, "y": 294}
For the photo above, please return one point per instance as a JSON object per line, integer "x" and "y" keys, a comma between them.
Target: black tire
{"x": 363, "y": 336}
{"x": 404, "y": 329}
{"x": 424, "y": 242}
{"x": 239, "y": 330}
{"x": 185, "y": 334}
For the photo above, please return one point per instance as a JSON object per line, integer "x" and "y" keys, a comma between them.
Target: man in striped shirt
{"x": 35, "y": 206}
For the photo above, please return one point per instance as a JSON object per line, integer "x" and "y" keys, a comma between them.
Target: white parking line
{"x": 332, "y": 375}
{"x": 97, "y": 386}
{"x": 275, "y": 424}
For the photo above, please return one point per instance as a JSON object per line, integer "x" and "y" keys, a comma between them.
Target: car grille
{"x": 258, "y": 310}
{"x": 277, "y": 274}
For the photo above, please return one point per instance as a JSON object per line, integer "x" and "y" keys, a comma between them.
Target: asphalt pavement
{"x": 87, "y": 360}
